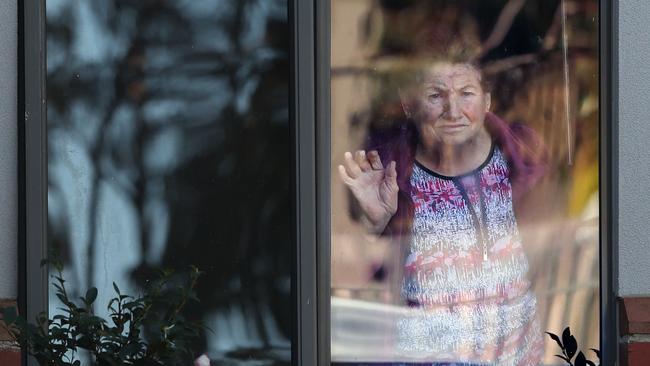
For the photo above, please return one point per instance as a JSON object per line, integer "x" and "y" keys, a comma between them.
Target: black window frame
{"x": 32, "y": 162}
{"x": 309, "y": 22}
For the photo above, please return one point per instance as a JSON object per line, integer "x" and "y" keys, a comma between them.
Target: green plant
{"x": 569, "y": 347}
{"x": 145, "y": 330}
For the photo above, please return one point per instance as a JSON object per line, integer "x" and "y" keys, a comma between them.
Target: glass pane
{"x": 169, "y": 146}
{"x": 465, "y": 217}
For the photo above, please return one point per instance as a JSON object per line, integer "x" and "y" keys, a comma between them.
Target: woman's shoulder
{"x": 516, "y": 132}
{"x": 523, "y": 148}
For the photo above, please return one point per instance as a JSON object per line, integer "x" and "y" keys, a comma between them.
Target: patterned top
{"x": 466, "y": 271}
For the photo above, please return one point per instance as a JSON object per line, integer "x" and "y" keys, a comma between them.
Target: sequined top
{"x": 466, "y": 271}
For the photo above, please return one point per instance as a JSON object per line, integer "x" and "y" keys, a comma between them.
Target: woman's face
{"x": 449, "y": 104}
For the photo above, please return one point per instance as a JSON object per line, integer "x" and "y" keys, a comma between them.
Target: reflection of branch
{"x": 249, "y": 296}
{"x": 95, "y": 157}
{"x": 564, "y": 8}
{"x": 505, "y": 64}
{"x": 502, "y": 26}
{"x": 551, "y": 35}
{"x": 492, "y": 68}
{"x": 125, "y": 66}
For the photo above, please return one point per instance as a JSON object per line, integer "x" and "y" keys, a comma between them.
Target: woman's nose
{"x": 453, "y": 108}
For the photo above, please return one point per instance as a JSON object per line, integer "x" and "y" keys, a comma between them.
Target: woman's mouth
{"x": 453, "y": 127}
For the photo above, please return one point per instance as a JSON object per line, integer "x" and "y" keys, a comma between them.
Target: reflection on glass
{"x": 168, "y": 147}
{"x": 465, "y": 180}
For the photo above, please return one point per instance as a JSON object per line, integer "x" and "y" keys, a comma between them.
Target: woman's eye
{"x": 467, "y": 93}
{"x": 434, "y": 96}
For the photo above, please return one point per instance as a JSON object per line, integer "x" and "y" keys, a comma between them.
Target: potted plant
{"x": 569, "y": 346}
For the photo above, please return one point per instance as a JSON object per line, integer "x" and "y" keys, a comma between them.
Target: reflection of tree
{"x": 180, "y": 109}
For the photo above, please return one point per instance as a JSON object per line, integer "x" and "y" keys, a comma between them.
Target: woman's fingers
{"x": 344, "y": 175}
{"x": 356, "y": 164}
{"x": 362, "y": 160}
{"x": 351, "y": 167}
{"x": 391, "y": 175}
{"x": 375, "y": 160}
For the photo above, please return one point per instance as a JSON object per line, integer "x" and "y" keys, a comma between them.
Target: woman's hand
{"x": 374, "y": 186}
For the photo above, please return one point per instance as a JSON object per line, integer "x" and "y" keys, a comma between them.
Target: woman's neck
{"x": 453, "y": 160}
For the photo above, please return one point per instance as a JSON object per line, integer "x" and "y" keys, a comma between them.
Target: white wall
{"x": 8, "y": 149}
{"x": 634, "y": 147}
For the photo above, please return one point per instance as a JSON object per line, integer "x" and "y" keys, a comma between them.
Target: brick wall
{"x": 9, "y": 353}
{"x": 635, "y": 331}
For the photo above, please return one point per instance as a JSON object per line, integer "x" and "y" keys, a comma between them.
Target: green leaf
{"x": 597, "y": 352}
{"x": 62, "y": 298}
{"x": 581, "y": 360}
{"x": 58, "y": 287}
{"x": 85, "y": 342}
{"x": 570, "y": 343}
{"x": 91, "y": 295}
{"x": 110, "y": 304}
{"x": 117, "y": 289}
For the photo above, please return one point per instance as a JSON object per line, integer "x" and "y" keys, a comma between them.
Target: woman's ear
{"x": 404, "y": 102}
{"x": 488, "y": 101}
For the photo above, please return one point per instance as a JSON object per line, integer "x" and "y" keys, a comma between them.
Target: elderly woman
{"x": 444, "y": 185}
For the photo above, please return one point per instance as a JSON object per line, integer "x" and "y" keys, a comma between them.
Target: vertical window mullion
{"x": 32, "y": 161}
{"x": 305, "y": 208}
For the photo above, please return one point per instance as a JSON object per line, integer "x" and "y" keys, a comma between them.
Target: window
{"x": 168, "y": 146}
{"x": 465, "y": 215}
